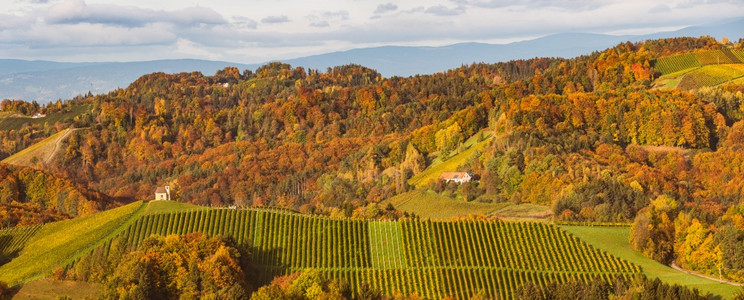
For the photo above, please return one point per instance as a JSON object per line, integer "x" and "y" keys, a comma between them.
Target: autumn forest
{"x": 590, "y": 138}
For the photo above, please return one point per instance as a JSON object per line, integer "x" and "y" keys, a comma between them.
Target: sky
{"x": 255, "y": 31}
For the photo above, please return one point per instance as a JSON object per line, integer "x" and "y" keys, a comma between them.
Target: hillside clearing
{"x": 15, "y": 121}
{"x": 710, "y": 75}
{"x": 524, "y": 212}
{"x": 428, "y": 204}
{"x": 437, "y": 167}
{"x": 615, "y": 240}
{"x": 47, "y": 288}
{"x": 43, "y": 151}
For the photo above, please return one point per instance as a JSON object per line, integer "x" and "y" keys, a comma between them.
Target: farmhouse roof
{"x": 160, "y": 190}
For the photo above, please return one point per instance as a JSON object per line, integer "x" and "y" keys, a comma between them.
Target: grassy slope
{"x": 59, "y": 243}
{"x": 41, "y": 150}
{"x": 15, "y": 121}
{"x": 47, "y": 288}
{"x": 670, "y": 81}
{"x": 709, "y": 75}
{"x": 430, "y": 205}
{"x": 615, "y": 240}
{"x": 524, "y": 212}
{"x": 437, "y": 167}
{"x": 156, "y": 207}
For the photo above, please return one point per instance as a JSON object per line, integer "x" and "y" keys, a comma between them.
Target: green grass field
{"x": 41, "y": 150}
{"x": 437, "y": 166}
{"x": 157, "y": 207}
{"x": 524, "y": 212}
{"x": 62, "y": 242}
{"x": 615, "y": 240}
{"x": 429, "y": 205}
{"x": 15, "y": 121}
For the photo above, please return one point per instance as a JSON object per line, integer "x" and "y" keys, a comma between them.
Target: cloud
{"x": 79, "y": 35}
{"x": 77, "y": 11}
{"x": 320, "y": 24}
{"x": 661, "y": 8}
{"x": 275, "y": 19}
{"x": 324, "y": 19}
{"x": 561, "y": 4}
{"x": 441, "y": 10}
{"x": 339, "y": 14}
{"x": 385, "y": 8}
{"x": 14, "y": 22}
{"x": 244, "y": 23}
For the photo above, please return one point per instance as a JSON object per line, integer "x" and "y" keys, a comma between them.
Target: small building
{"x": 226, "y": 85}
{"x": 458, "y": 177}
{"x": 38, "y": 115}
{"x": 162, "y": 193}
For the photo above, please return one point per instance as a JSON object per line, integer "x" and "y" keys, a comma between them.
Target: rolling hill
{"x": 46, "y": 81}
{"x": 433, "y": 259}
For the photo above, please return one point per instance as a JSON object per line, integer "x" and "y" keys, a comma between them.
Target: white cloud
{"x": 385, "y": 8}
{"x": 275, "y": 19}
{"x": 77, "y": 11}
{"x": 441, "y": 10}
{"x": 264, "y": 30}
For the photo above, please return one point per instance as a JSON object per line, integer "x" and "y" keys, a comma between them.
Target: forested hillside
{"x": 29, "y": 196}
{"x": 585, "y": 136}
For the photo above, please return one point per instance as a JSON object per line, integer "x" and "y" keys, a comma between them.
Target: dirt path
{"x": 58, "y": 144}
{"x": 676, "y": 267}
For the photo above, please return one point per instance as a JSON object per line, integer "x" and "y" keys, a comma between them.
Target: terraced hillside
{"x": 700, "y": 69}
{"x": 34, "y": 252}
{"x": 676, "y": 63}
{"x": 432, "y": 259}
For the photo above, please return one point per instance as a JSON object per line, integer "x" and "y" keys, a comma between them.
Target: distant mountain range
{"x": 46, "y": 81}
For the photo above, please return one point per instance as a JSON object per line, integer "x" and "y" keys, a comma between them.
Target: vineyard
{"x": 13, "y": 240}
{"x": 672, "y": 64}
{"x": 431, "y": 259}
{"x": 709, "y": 76}
{"x": 36, "y": 251}
{"x": 717, "y": 57}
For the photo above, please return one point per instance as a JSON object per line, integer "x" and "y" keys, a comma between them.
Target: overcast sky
{"x": 253, "y": 31}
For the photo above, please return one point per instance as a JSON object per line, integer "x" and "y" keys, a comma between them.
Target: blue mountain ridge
{"x": 46, "y": 81}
